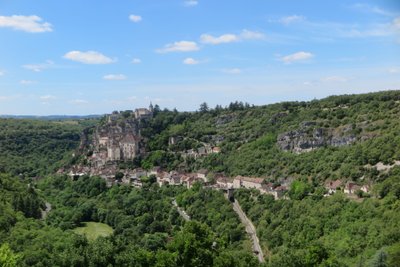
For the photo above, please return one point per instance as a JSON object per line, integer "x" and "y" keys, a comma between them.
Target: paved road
{"x": 250, "y": 229}
{"x": 183, "y": 213}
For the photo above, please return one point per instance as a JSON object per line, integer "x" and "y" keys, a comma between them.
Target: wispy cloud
{"x": 394, "y": 70}
{"x": 297, "y": 57}
{"x": 251, "y": 35}
{"x": 335, "y": 79}
{"x": 181, "y": 46}
{"x": 366, "y": 8}
{"x": 27, "y": 82}
{"x": 190, "y": 61}
{"x": 78, "y": 102}
{"x": 5, "y": 98}
{"x": 136, "y": 61}
{"x": 396, "y": 23}
{"x": 1, "y": 73}
{"x": 190, "y": 3}
{"x": 331, "y": 30}
{"x": 114, "y": 77}
{"x": 47, "y": 99}
{"x": 39, "y": 67}
{"x": 232, "y": 71}
{"x": 230, "y": 38}
{"x": 89, "y": 57}
{"x": 135, "y": 18}
{"x": 32, "y": 24}
{"x": 291, "y": 19}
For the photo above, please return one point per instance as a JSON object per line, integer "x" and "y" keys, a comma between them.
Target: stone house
{"x": 332, "y": 186}
{"x": 365, "y": 188}
{"x": 351, "y": 188}
{"x": 247, "y": 182}
{"x": 224, "y": 182}
{"x": 202, "y": 174}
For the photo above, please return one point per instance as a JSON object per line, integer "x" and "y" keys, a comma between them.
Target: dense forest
{"x": 39, "y": 217}
{"x": 148, "y": 230}
{"x": 31, "y": 148}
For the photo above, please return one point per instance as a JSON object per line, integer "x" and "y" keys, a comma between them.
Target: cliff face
{"x": 117, "y": 139}
{"x": 309, "y": 137}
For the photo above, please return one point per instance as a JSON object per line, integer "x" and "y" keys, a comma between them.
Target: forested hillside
{"x": 248, "y": 137}
{"x": 308, "y": 143}
{"x": 30, "y": 148}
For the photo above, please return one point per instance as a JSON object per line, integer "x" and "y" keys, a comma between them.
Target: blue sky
{"x": 91, "y": 57}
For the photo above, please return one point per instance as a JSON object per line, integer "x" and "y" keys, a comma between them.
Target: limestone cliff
{"x": 309, "y": 137}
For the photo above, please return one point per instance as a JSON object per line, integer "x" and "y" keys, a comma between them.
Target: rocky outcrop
{"x": 224, "y": 119}
{"x": 309, "y": 137}
{"x": 118, "y": 138}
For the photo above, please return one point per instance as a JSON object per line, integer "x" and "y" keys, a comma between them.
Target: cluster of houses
{"x": 195, "y": 153}
{"x": 349, "y": 188}
{"x": 135, "y": 178}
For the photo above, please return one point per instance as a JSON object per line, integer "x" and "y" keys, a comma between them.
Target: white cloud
{"x": 225, "y": 38}
{"x": 89, "y": 57}
{"x": 136, "y": 61}
{"x": 182, "y": 46}
{"x": 26, "y": 82}
{"x": 396, "y": 23}
{"x": 135, "y": 18}
{"x": 307, "y": 83}
{"x": 296, "y": 57}
{"x": 291, "y": 19}
{"x": 8, "y": 98}
{"x": 38, "y": 67}
{"x": 114, "y": 77}
{"x": 191, "y": 3}
{"x": 190, "y": 61}
{"x": 1, "y": 73}
{"x": 335, "y": 79}
{"x": 47, "y": 97}
{"x": 230, "y": 38}
{"x": 78, "y": 102}
{"x": 232, "y": 71}
{"x": 32, "y": 24}
{"x": 250, "y": 35}
{"x": 394, "y": 70}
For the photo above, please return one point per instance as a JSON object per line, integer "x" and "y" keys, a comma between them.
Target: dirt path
{"x": 250, "y": 229}
{"x": 183, "y": 213}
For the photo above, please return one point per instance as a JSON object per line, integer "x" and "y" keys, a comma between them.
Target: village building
{"x": 144, "y": 113}
{"x": 202, "y": 174}
{"x": 333, "y": 186}
{"x": 365, "y": 188}
{"x": 216, "y": 149}
{"x": 351, "y": 188}
{"x": 224, "y": 182}
{"x": 247, "y": 182}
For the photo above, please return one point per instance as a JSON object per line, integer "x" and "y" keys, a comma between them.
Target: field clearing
{"x": 93, "y": 230}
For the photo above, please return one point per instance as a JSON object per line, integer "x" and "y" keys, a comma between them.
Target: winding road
{"x": 250, "y": 229}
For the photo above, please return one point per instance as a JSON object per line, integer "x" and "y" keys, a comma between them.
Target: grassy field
{"x": 93, "y": 230}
